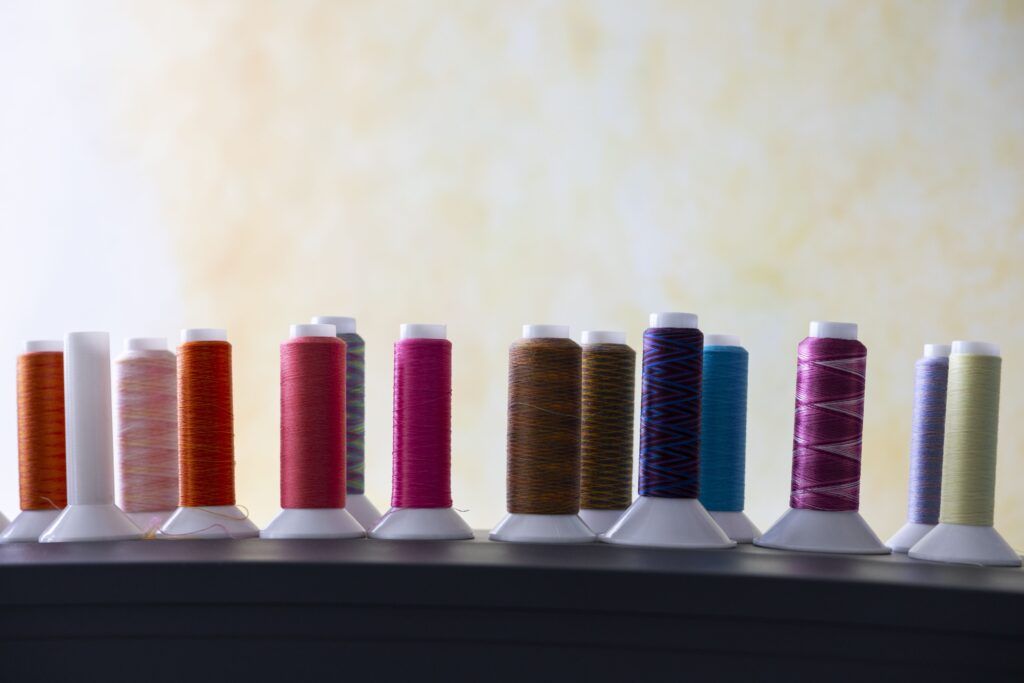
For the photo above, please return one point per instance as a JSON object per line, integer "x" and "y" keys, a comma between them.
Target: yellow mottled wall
{"x": 491, "y": 164}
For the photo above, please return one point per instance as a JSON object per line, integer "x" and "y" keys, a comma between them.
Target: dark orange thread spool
{"x": 42, "y": 470}
{"x": 206, "y": 438}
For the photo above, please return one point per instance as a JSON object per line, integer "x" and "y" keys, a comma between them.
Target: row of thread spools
{"x": 570, "y": 435}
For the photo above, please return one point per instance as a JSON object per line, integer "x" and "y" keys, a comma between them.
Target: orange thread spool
{"x": 206, "y": 438}
{"x": 42, "y": 471}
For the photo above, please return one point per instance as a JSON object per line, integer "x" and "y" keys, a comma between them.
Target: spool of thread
{"x": 88, "y": 430}
{"x": 606, "y": 474}
{"x": 421, "y": 496}
{"x": 206, "y": 442}
{"x": 723, "y": 435}
{"x": 827, "y": 438}
{"x": 312, "y": 438}
{"x": 926, "y": 447}
{"x": 41, "y": 446}
{"x": 668, "y": 513}
{"x": 965, "y": 533}
{"x": 544, "y": 430}
{"x": 147, "y": 437}
{"x": 357, "y": 502}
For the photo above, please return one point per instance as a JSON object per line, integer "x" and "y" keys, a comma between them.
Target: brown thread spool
{"x": 206, "y": 440}
{"x": 42, "y": 470}
{"x": 609, "y": 369}
{"x": 544, "y": 424}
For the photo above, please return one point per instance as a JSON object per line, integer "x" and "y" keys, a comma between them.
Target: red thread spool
{"x": 312, "y": 436}
{"x": 422, "y": 428}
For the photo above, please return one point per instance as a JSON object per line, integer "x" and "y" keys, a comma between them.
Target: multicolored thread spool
{"x": 926, "y": 447}
{"x": 965, "y": 534}
{"x": 357, "y": 502}
{"x": 312, "y": 438}
{"x": 206, "y": 442}
{"x": 828, "y": 432}
{"x": 667, "y": 512}
{"x": 723, "y": 435}
{"x": 421, "y": 499}
{"x": 42, "y": 465}
{"x": 544, "y": 422}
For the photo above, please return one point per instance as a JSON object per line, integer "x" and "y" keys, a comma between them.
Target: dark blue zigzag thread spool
{"x": 723, "y": 438}
{"x": 670, "y": 406}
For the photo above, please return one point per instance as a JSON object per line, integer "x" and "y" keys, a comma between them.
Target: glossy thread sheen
{"x": 355, "y": 425}
{"x": 927, "y": 438}
{"x": 422, "y": 427}
{"x": 312, "y": 436}
{"x": 670, "y": 413}
{"x": 147, "y": 436}
{"x": 606, "y": 452}
{"x": 723, "y": 430}
{"x": 829, "y": 424}
{"x": 206, "y": 439}
{"x": 41, "y": 445}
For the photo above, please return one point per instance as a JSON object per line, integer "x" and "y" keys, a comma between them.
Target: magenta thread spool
{"x": 827, "y": 439}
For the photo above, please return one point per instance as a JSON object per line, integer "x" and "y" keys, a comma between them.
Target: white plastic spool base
{"x": 28, "y": 526}
{"x": 150, "y": 521}
{"x": 600, "y": 521}
{"x": 90, "y": 523}
{"x": 965, "y": 544}
{"x": 528, "y": 528}
{"x": 422, "y": 524}
{"x": 219, "y": 521}
{"x": 736, "y": 525}
{"x": 314, "y": 523}
{"x": 667, "y": 523}
{"x": 904, "y": 539}
{"x": 823, "y": 531}
{"x": 360, "y": 507}
{"x": 3, "y": 521}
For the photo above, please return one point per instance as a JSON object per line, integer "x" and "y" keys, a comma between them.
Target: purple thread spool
{"x": 825, "y": 490}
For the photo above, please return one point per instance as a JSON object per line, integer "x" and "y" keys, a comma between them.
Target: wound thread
{"x": 723, "y": 432}
{"x": 606, "y": 451}
{"x": 927, "y": 439}
{"x": 544, "y": 426}
{"x": 670, "y": 410}
{"x": 422, "y": 424}
{"x": 42, "y": 483}
{"x": 972, "y": 426}
{"x": 355, "y": 407}
{"x": 312, "y": 437}
{"x": 829, "y": 424}
{"x": 147, "y": 437}
{"x": 206, "y": 440}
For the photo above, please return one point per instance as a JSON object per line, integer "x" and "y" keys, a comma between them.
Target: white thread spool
{"x": 824, "y": 531}
{"x": 668, "y": 522}
{"x": 314, "y": 522}
{"x": 403, "y": 524}
{"x": 517, "y": 527}
{"x": 91, "y": 514}
{"x": 358, "y": 504}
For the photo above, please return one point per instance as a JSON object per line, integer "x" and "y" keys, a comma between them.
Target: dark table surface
{"x": 472, "y": 610}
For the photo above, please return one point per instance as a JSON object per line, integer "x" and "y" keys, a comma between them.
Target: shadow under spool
{"x": 544, "y": 422}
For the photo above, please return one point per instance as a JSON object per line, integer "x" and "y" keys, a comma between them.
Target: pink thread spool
{"x": 421, "y": 480}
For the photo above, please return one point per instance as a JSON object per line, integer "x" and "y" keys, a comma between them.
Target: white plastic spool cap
{"x": 422, "y": 331}
{"x": 38, "y": 345}
{"x": 311, "y": 330}
{"x": 937, "y": 350}
{"x": 343, "y": 324}
{"x": 201, "y": 334}
{"x": 145, "y": 344}
{"x": 545, "y": 331}
{"x": 676, "y": 320}
{"x": 823, "y": 329}
{"x": 721, "y": 340}
{"x": 975, "y": 348}
{"x": 603, "y": 337}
